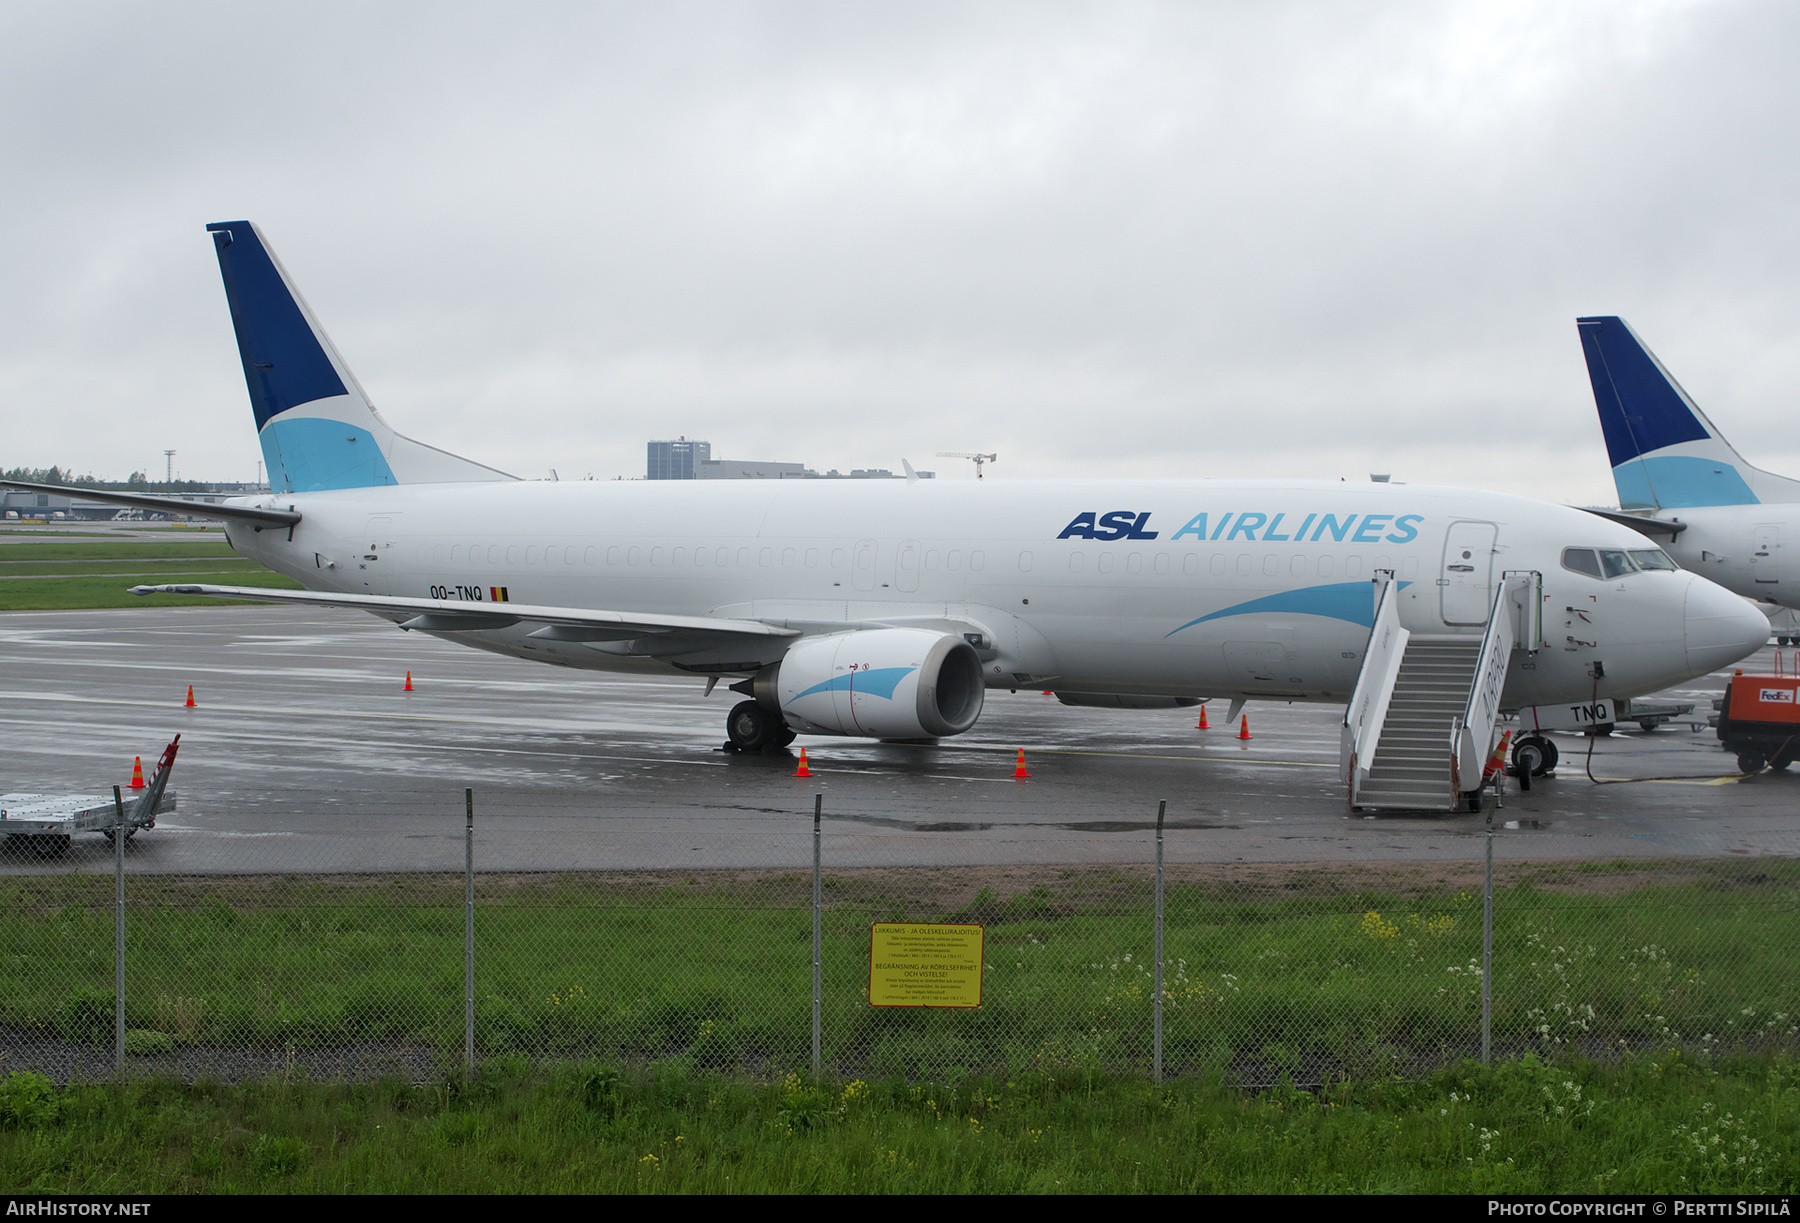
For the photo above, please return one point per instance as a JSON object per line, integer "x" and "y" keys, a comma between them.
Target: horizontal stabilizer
{"x": 1653, "y": 528}
{"x": 258, "y": 518}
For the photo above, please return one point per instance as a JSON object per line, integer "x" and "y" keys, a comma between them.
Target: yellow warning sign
{"x": 924, "y": 964}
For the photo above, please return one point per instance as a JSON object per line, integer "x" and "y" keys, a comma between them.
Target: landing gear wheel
{"x": 1475, "y": 803}
{"x": 1780, "y": 763}
{"x": 1534, "y": 755}
{"x": 753, "y": 727}
{"x": 1751, "y": 761}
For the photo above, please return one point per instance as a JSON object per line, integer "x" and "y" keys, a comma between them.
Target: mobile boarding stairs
{"x": 1421, "y": 721}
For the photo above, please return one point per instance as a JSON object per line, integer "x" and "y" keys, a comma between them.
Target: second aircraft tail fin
{"x": 1665, "y": 453}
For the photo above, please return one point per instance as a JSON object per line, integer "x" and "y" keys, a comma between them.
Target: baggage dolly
{"x": 49, "y": 822}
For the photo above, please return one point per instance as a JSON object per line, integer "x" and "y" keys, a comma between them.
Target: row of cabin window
{"x": 1245, "y": 565}
{"x": 554, "y": 555}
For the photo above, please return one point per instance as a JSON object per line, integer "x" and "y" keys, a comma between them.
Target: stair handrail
{"x": 1368, "y": 708}
{"x": 1482, "y": 709}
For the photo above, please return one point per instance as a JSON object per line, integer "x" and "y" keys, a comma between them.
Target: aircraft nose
{"x": 1721, "y": 627}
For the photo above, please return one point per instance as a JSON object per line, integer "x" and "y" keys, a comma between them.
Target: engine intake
{"x": 880, "y": 683}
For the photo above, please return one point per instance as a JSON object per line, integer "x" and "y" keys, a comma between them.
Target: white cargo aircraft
{"x": 886, "y": 609}
{"x": 1679, "y": 480}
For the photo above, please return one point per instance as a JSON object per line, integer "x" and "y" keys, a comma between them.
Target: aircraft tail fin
{"x": 1665, "y": 453}
{"x": 317, "y": 427}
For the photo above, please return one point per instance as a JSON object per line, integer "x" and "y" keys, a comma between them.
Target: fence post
{"x": 119, "y": 934}
{"x": 469, "y": 935}
{"x": 1487, "y": 948}
{"x": 817, "y": 1060}
{"x": 1156, "y": 1041}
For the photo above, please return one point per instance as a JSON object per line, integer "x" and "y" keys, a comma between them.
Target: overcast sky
{"x": 1104, "y": 239}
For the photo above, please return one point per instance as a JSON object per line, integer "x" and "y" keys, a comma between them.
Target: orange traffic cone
{"x": 137, "y": 772}
{"x": 1201, "y": 724}
{"x": 1019, "y": 769}
{"x": 190, "y": 700}
{"x": 1497, "y": 760}
{"x": 803, "y": 771}
{"x": 1244, "y": 729}
{"x": 409, "y": 686}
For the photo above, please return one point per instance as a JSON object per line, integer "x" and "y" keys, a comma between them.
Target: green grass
{"x": 129, "y": 550}
{"x": 1650, "y": 1124}
{"x": 1309, "y": 978}
{"x": 58, "y": 575}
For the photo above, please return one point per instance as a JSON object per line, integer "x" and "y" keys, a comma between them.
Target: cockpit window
{"x": 1581, "y": 560}
{"x": 1653, "y": 558}
{"x": 1615, "y": 564}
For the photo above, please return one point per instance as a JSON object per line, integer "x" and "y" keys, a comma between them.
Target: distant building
{"x": 676, "y": 460}
{"x": 750, "y": 469}
{"x": 685, "y": 460}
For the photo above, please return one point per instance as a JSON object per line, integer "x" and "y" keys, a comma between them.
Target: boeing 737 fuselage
{"x": 886, "y": 608}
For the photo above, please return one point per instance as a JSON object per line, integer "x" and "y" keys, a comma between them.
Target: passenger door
{"x": 1765, "y": 555}
{"x": 1466, "y": 578}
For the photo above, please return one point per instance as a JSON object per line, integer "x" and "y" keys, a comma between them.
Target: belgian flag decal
{"x": 497, "y": 594}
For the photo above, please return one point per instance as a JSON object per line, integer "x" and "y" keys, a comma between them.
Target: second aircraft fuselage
{"x": 1739, "y": 547}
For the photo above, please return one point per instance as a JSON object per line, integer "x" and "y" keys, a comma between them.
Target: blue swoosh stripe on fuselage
{"x": 879, "y": 681}
{"x": 1352, "y": 601}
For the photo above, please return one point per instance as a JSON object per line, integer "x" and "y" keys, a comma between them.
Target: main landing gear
{"x": 754, "y": 727}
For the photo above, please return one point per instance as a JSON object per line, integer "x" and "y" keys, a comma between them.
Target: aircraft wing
{"x": 1652, "y": 527}
{"x": 455, "y": 616}
{"x": 180, "y": 505}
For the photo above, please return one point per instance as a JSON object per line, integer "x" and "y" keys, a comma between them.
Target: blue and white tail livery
{"x": 1666, "y": 454}
{"x": 317, "y": 427}
{"x": 1679, "y": 480}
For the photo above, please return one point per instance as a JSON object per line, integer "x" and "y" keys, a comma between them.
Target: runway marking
{"x": 601, "y": 727}
{"x": 372, "y": 715}
{"x": 1727, "y": 780}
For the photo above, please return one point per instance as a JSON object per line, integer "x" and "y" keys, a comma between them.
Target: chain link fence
{"x": 1302, "y": 972}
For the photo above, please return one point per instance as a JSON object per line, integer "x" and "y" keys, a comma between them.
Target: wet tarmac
{"x": 304, "y": 755}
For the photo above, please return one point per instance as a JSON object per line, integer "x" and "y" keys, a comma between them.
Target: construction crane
{"x": 979, "y": 459}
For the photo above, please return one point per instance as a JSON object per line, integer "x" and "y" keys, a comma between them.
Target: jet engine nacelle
{"x": 893, "y": 683}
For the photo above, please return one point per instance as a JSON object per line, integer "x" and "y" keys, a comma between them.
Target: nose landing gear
{"x": 1534, "y": 756}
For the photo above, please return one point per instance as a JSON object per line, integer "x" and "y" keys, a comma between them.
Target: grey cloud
{"x": 1101, "y": 239}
